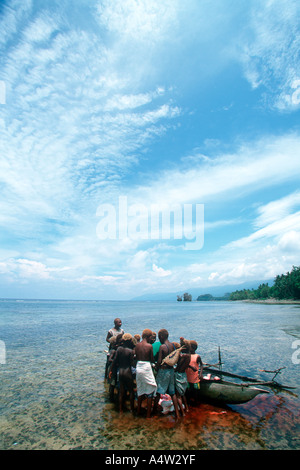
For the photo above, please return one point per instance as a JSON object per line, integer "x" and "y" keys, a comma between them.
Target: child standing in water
{"x": 193, "y": 374}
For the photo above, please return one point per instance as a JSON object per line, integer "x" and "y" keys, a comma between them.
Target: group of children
{"x": 149, "y": 369}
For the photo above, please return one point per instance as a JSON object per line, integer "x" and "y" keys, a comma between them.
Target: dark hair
{"x": 147, "y": 333}
{"x": 163, "y": 333}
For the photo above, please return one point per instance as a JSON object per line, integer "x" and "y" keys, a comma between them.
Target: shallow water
{"x": 53, "y": 395}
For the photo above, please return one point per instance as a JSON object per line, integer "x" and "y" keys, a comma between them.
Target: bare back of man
{"x": 144, "y": 351}
{"x": 124, "y": 362}
{"x": 181, "y": 382}
{"x": 145, "y": 380}
{"x": 165, "y": 349}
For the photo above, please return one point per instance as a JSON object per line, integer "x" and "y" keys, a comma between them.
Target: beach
{"x": 272, "y": 301}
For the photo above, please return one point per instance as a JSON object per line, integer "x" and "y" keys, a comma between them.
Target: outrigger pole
{"x": 219, "y": 371}
{"x": 219, "y": 357}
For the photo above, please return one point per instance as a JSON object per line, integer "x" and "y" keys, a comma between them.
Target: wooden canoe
{"x": 224, "y": 392}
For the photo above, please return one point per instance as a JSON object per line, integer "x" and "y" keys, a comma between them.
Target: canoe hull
{"x": 225, "y": 392}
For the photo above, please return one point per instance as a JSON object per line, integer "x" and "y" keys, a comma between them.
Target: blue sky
{"x": 160, "y": 102}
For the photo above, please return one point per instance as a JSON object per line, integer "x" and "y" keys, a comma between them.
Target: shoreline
{"x": 272, "y": 301}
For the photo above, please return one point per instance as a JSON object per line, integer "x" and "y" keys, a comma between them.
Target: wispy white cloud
{"x": 266, "y": 162}
{"x": 270, "y": 51}
{"x": 84, "y": 252}
{"x": 24, "y": 269}
{"x": 277, "y": 221}
{"x": 84, "y": 103}
{"x": 104, "y": 280}
{"x": 14, "y": 14}
{"x": 273, "y": 247}
{"x": 274, "y": 229}
{"x": 138, "y": 20}
{"x": 277, "y": 210}
{"x": 72, "y": 131}
{"x": 121, "y": 102}
{"x": 161, "y": 272}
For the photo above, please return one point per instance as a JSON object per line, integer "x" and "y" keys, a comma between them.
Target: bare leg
{"x": 149, "y": 404}
{"x": 131, "y": 396}
{"x": 140, "y": 399}
{"x": 156, "y": 400}
{"x": 175, "y": 403}
{"x": 111, "y": 392}
{"x": 185, "y": 403}
{"x": 179, "y": 400}
{"x": 121, "y": 395}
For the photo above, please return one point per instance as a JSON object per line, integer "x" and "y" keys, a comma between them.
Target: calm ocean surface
{"x": 53, "y": 395}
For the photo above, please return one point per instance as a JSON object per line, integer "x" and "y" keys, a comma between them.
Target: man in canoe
{"x": 165, "y": 376}
{"x": 145, "y": 381}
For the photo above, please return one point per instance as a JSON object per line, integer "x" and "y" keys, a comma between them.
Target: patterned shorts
{"x": 165, "y": 381}
{"x": 181, "y": 382}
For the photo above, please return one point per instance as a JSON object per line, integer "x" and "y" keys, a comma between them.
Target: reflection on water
{"x": 53, "y": 395}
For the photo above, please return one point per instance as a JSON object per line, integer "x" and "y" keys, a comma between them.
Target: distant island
{"x": 286, "y": 287}
{"x": 185, "y": 298}
{"x": 208, "y": 297}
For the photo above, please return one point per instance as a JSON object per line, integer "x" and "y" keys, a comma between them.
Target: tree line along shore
{"x": 285, "y": 289}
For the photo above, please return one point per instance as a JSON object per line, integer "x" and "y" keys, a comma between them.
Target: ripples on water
{"x": 53, "y": 395}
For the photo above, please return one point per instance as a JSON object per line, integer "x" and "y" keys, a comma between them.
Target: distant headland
{"x": 285, "y": 289}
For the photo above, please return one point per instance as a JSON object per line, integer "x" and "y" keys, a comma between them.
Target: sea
{"x": 53, "y": 395}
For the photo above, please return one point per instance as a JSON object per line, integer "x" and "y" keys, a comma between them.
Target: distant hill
{"x": 215, "y": 291}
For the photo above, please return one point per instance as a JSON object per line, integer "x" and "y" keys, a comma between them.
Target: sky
{"x": 147, "y": 146}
